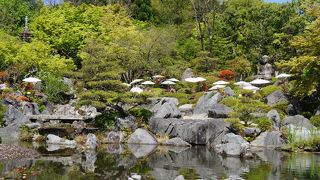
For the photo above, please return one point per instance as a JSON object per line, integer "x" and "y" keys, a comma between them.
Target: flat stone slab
{"x": 44, "y": 117}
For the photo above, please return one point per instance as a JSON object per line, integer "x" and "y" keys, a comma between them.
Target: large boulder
{"x": 269, "y": 139}
{"x": 114, "y": 137}
{"x": 276, "y": 97}
{"x": 126, "y": 123}
{"x": 70, "y": 110}
{"x": 274, "y": 117}
{"x": 205, "y": 103}
{"x": 53, "y": 139}
{"x": 92, "y": 141}
{"x": 142, "y": 136}
{"x": 193, "y": 131}
{"x": 166, "y": 108}
{"x": 219, "y": 111}
{"x": 14, "y": 117}
{"x": 232, "y": 145}
{"x": 298, "y": 121}
{"x": 176, "y": 142}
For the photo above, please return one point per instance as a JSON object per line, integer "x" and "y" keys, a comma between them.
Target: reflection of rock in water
{"x": 91, "y": 157}
{"x": 139, "y": 150}
{"x": 204, "y": 161}
{"x": 114, "y": 148}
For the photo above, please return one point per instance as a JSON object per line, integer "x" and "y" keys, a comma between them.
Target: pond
{"x": 164, "y": 163}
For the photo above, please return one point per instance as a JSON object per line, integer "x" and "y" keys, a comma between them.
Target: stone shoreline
{"x": 9, "y": 152}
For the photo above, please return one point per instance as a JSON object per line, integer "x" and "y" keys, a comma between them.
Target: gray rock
{"x": 176, "y": 142}
{"x": 14, "y": 117}
{"x": 166, "y": 108}
{"x": 34, "y": 125}
{"x": 251, "y": 132}
{"x": 179, "y": 178}
{"x": 219, "y": 111}
{"x": 139, "y": 150}
{"x": 92, "y": 141}
{"x": 126, "y": 123}
{"x": 276, "y": 97}
{"x": 114, "y": 137}
{"x": 228, "y": 91}
{"x": 298, "y": 121}
{"x": 193, "y": 131}
{"x": 234, "y": 177}
{"x": 274, "y": 117}
{"x": 269, "y": 139}
{"x": 29, "y": 108}
{"x": 256, "y": 115}
{"x": 142, "y": 136}
{"x": 232, "y": 145}
{"x": 205, "y": 103}
{"x": 88, "y": 111}
{"x": 66, "y": 110}
{"x": 89, "y": 163}
{"x": 115, "y": 148}
{"x": 186, "y": 109}
{"x": 187, "y": 74}
{"x": 53, "y": 139}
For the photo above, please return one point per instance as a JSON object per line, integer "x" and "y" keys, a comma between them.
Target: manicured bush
{"x": 106, "y": 121}
{"x": 3, "y": 110}
{"x": 315, "y": 120}
{"x": 263, "y": 123}
{"x": 141, "y": 113}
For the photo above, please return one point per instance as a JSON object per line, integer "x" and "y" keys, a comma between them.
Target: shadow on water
{"x": 116, "y": 161}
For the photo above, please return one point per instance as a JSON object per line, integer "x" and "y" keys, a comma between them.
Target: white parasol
{"x": 221, "y": 83}
{"x": 173, "y": 80}
{"x": 157, "y": 76}
{"x": 31, "y": 80}
{"x": 283, "y": 76}
{"x": 168, "y": 82}
{"x": 136, "y": 90}
{"x": 136, "y": 81}
{"x": 217, "y": 87}
{"x": 148, "y": 83}
{"x": 260, "y": 81}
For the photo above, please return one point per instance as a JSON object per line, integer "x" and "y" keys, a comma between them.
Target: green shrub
{"x": 235, "y": 124}
{"x": 42, "y": 108}
{"x": 26, "y": 133}
{"x": 106, "y": 121}
{"x": 142, "y": 113}
{"x": 230, "y": 101}
{"x": 315, "y": 120}
{"x": 3, "y": 110}
{"x": 53, "y": 87}
{"x": 269, "y": 90}
{"x": 263, "y": 123}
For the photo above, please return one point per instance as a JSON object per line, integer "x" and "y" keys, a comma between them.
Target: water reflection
{"x": 116, "y": 161}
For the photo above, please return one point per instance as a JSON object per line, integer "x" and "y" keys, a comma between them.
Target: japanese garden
{"x": 159, "y": 89}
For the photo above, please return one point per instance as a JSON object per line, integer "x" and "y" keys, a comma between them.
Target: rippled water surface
{"x": 163, "y": 163}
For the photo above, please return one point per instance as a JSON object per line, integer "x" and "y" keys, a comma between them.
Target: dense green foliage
{"x": 315, "y": 120}
{"x": 3, "y": 110}
{"x": 102, "y": 44}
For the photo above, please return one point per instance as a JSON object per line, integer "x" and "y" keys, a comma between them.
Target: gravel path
{"x": 8, "y": 152}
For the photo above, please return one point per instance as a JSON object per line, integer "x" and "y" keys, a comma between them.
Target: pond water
{"x": 163, "y": 163}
